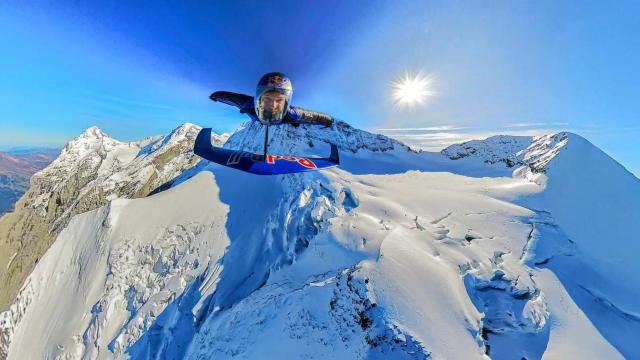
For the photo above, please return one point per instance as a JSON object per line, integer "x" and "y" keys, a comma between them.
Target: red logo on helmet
{"x": 276, "y": 80}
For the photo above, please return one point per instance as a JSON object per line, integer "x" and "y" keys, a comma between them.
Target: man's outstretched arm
{"x": 241, "y": 101}
{"x": 305, "y": 116}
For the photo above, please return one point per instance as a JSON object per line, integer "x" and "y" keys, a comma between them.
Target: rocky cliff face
{"x": 91, "y": 170}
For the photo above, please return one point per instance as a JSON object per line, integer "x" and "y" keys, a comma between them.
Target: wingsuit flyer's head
{"x": 273, "y": 95}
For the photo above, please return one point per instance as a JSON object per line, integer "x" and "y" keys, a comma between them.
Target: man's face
{"x": 273, "y": 104}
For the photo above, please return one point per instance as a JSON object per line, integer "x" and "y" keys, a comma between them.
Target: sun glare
{"x": 412, "y": 90}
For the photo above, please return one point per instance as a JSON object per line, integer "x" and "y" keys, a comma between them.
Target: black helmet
{"x": 272, "y": 82}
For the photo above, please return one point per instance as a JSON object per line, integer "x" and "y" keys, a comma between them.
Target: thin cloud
{"x": 519, "y": 125}
{"x": 440, "y": 140}
{"x": 429, "y": 128}
{"x": 440, "y": 135}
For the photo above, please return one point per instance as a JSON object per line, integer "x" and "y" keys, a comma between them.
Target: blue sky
{"x": 136, "y": 69}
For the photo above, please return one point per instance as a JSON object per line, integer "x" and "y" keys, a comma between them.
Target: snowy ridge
{"x": 513, "y": 152}
{"x": 594, "y": 201}
{"x": 508, "y": 150}
{"x": 91, "y": 170}
{"x": 288, "y": 139}
{"x": 106, "y": 168}
{"x": 544, "y": 148}
{"x": 156, "y": 258}
{"x": 115, "y": 167}
{"x": 452, "y": 259}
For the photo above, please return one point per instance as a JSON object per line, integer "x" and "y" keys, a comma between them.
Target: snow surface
{"x": 501, "y": 249}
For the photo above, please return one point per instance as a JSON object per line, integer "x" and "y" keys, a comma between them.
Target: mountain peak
{"x": 93, "y": 132}
{"x": 92, "y": 140}
{"x": 184, "y": 129}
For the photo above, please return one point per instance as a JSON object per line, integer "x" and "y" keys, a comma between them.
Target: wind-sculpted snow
{"x": 548, "y": 247}
{"x": 515, "y": 324}
{"x": 396, "y": 254}
{"x": 115, "y": 269}
{"x": 588, "y": 209}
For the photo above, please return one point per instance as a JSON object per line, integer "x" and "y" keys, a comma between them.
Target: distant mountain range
{"x": 16, "y": 167}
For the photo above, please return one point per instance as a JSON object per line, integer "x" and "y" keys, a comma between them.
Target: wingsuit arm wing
{"x": 230, "y": 98}
{"x": 313, "y": 117}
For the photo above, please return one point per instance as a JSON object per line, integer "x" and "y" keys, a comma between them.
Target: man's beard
{"x": 270, "y": 115}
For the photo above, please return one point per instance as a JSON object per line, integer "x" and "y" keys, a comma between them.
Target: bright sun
{"x": 412, "y": 90}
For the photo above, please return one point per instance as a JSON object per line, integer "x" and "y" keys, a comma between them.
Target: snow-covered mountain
{"x": 91, "y": 170}
{"x": 509, "y": 247}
